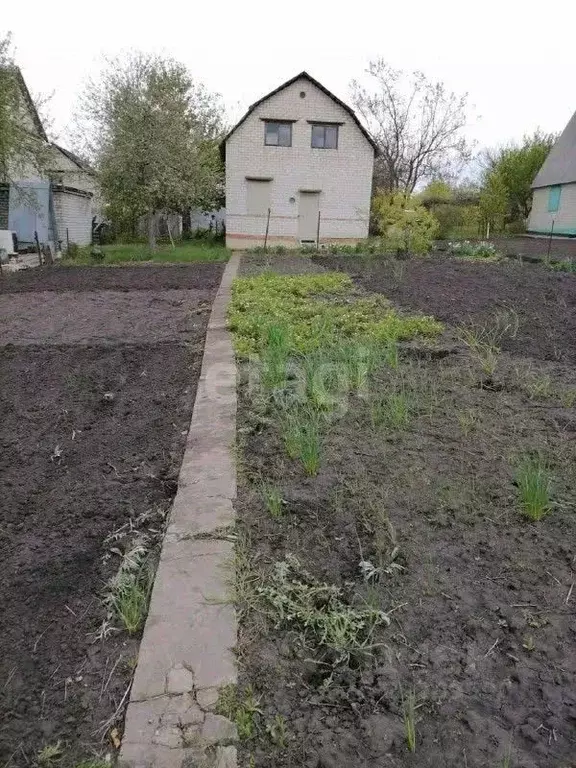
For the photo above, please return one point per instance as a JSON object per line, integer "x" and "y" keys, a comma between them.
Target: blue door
{"x": 29, "y": 210}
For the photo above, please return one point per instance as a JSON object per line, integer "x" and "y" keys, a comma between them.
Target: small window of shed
{"x": 554, "y": 195}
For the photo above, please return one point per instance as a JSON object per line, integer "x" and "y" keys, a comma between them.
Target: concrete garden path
{"x": 186, "y": 654}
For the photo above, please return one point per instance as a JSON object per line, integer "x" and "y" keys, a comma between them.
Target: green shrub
{"x": 72, "y": 250}
{"x": 404, "y": 225}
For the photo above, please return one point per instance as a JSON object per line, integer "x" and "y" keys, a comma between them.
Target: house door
{"x": 308, "y": 208}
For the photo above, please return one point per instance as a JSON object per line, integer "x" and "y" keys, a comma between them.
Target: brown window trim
{"x": 259, "y": 178}
{"x": 278, "y": 120}
{"x": 324, "y": 122}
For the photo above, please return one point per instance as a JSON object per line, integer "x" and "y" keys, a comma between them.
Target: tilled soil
{"x": 93, "y": 432}
{"x": 459, "y": 291}
{"x": 134, "y": 278}
{"x": 537, "y": 247}
{"x": 482, "y": 604}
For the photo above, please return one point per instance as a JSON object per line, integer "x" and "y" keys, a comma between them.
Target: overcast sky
{"x": 515, "y": 58}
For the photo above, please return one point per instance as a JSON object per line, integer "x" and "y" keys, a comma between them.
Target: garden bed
{"x": 457, "y": 290}
{"x": 398, "y": 604}
{"x": 97, "y": 388}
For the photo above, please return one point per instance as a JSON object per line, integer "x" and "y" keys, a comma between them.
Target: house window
{"x": 257, "y": 197}
{"x": 554, "y": 194}
{"x": 278, "y": 134}
{"x": 325, "y": 136}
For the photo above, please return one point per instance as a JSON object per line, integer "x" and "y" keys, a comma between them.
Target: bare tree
{"x": 417, "y": 125}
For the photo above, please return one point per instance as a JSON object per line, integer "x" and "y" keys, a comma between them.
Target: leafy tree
{"x": 152, "y": 132}
{"x": 23, "y": 142}
{"x": 417, "y": 124}
{"x": 456, "y": 208}
{"x": 508, "y": 175}
{"x": 437, "y": 191}
{"x": 494, "y": 202}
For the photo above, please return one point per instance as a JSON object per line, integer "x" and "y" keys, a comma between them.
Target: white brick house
{"x": 300, "y": 164}
{"x": 56, "y": 203}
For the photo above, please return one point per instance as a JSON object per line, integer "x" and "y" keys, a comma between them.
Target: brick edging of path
{"x": 186, "y": 650}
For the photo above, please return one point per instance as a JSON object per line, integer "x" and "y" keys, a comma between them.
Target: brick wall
{"x": 75, "y": 213}
{"x": 343, "y": 175}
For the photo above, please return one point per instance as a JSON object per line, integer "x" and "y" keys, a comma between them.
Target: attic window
{"x": 278, "y": 134}
{"x": 324, "y": 136}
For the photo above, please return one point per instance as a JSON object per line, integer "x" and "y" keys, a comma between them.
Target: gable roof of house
{"x": 305, "y": 76}
{"x": 560, "y": 165}
{"x": 30, "y": 103}
{"x": 74, "y": 158}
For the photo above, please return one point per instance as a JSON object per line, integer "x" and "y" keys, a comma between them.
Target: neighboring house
{"x": 298, "y": 164}
{"x": 58, "y": 204}
{"x": 75, "y": 195}
{"x": 554, "y": 199}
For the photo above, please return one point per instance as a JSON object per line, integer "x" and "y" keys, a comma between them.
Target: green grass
{"x": 315, "y": 341}
{"x": 319, "y": 311}
{"x": 241, "y": 707}
{"x": 130, "y": 598}
{"x": 409, "y": 716}
{"x": 301, "y": 432}
{"x": 390, "y": 410}
{"x": 50, "y": 754}
{"x": 273, "y": 499}
{"x": 534, "y": 487}
{"x": 128, "y": 591}
{"x": 137, "y": 252}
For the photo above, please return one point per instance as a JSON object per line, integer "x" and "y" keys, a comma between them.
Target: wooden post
{"x": 169, "y": 233}
{"x": 550, "y": 243}
{"x": 38, "y": 249}
{"x": 47, "y": 255}
{"x": 267, "y": 228}
{"x": 318, "y": 232}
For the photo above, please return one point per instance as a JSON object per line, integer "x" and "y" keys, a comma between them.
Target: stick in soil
{"x": 492, "y": 647}
{"x": 105, "y": 687}
{"x": 111, "y": 720}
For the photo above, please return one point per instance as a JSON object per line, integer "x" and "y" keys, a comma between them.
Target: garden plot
{"x": 99, "y": 370}
{"x": 405, "y": 550}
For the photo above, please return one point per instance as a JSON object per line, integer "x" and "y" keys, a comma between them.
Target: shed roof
{"x": 74, "y": 158}
{"x": 560, "y": 165}
{"x": 305, "y": 76}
